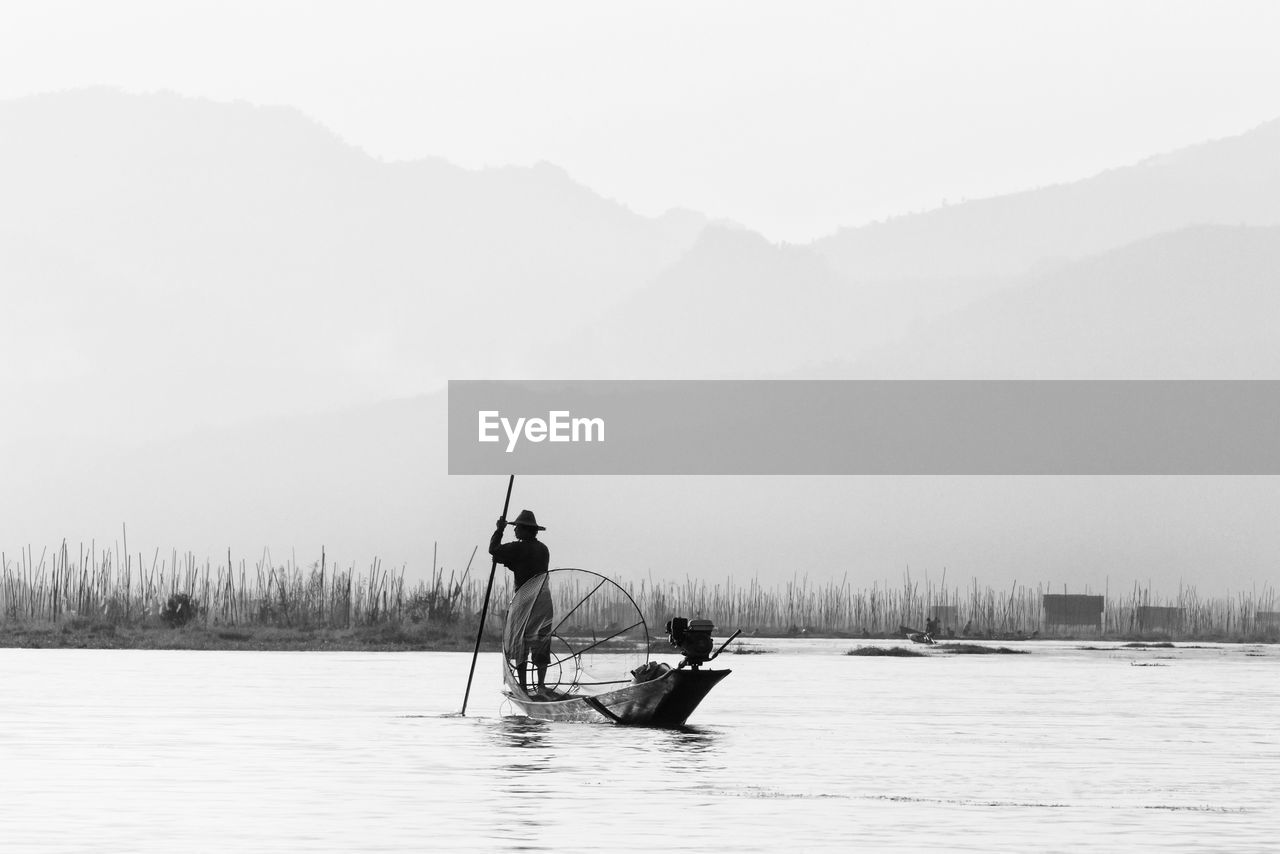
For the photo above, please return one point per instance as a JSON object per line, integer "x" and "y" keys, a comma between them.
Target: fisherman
{"x": 528, "y": 559}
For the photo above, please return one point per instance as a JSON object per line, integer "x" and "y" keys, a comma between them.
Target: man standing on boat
{"x": 528, "y": 630}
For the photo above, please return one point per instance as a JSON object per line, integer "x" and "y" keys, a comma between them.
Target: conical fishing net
{"x": 582, "y": 625}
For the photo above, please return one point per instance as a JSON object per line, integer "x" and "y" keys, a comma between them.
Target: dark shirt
{"x": 525, "y": 558}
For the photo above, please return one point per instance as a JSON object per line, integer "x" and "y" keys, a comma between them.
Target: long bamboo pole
{"x": 484, "y": 609}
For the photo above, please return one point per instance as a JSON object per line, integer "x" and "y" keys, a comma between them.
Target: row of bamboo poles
{"x": 110, "y": 585}
{"x": 833, "y": 607}
{"x": 104, "y": 586}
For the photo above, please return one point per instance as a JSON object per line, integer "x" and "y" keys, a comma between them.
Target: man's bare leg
{"x": 541, "y": 661}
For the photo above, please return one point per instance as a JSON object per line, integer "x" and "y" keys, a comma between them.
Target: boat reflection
{"x": 691, "y": 739}
{"x": 523, "y": 732}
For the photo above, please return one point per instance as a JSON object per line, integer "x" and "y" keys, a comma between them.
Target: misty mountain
{"x": 736, "y": 306}
{"x": 176, "y": 263}
{"x": 176, "y": 260}
{"x": 1200, "y": 303}
{"x": 1232, "y": 181}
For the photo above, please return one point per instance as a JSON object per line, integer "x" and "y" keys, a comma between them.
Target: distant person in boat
{"x": 527, "y": 558}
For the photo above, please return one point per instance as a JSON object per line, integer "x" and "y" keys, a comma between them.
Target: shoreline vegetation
{"x": 111, "y": 599}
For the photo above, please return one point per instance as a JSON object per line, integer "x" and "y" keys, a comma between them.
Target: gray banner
{"x": 754, "y": 427}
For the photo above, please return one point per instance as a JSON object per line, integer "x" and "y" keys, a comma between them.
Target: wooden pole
{"x": 484, "y": 609}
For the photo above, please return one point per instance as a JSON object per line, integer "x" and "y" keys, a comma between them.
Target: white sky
{"x": 792, "y": 118}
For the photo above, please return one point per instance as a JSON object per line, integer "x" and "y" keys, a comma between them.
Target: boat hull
{"x": 667, "y": 701}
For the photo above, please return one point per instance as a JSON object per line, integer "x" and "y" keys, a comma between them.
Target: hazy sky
{"x": 791, "y": 118}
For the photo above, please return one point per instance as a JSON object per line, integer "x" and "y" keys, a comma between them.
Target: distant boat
{"x": 600, "y": 669}
{"x": 915, "y": 636}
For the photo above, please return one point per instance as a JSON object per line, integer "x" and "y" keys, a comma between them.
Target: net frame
{"x": 570, "y": 672}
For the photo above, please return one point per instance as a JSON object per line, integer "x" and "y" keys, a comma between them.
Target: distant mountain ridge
{"x": 277, "y": 269}
{"x": 1231, "y": 181}
{"x": 738, "y": 306}
{"x": 183, "y": 262}
{"x": 1197, "y": 303}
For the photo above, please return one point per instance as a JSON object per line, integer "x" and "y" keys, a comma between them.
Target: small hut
{"x": 1072, "y": 612}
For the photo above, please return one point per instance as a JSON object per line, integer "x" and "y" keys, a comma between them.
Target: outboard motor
{"x": 693, "y": 638}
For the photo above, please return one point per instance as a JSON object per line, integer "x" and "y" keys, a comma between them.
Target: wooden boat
{"x": 598, "y": 664}
{"x": 915, "y": 636}
{"x": 666, "y": 701}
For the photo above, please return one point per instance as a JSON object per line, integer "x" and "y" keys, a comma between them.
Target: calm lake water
{"x": 803, "y": 749}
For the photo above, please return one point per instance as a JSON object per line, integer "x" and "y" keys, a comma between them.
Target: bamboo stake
{"x": 484, "y": 609}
